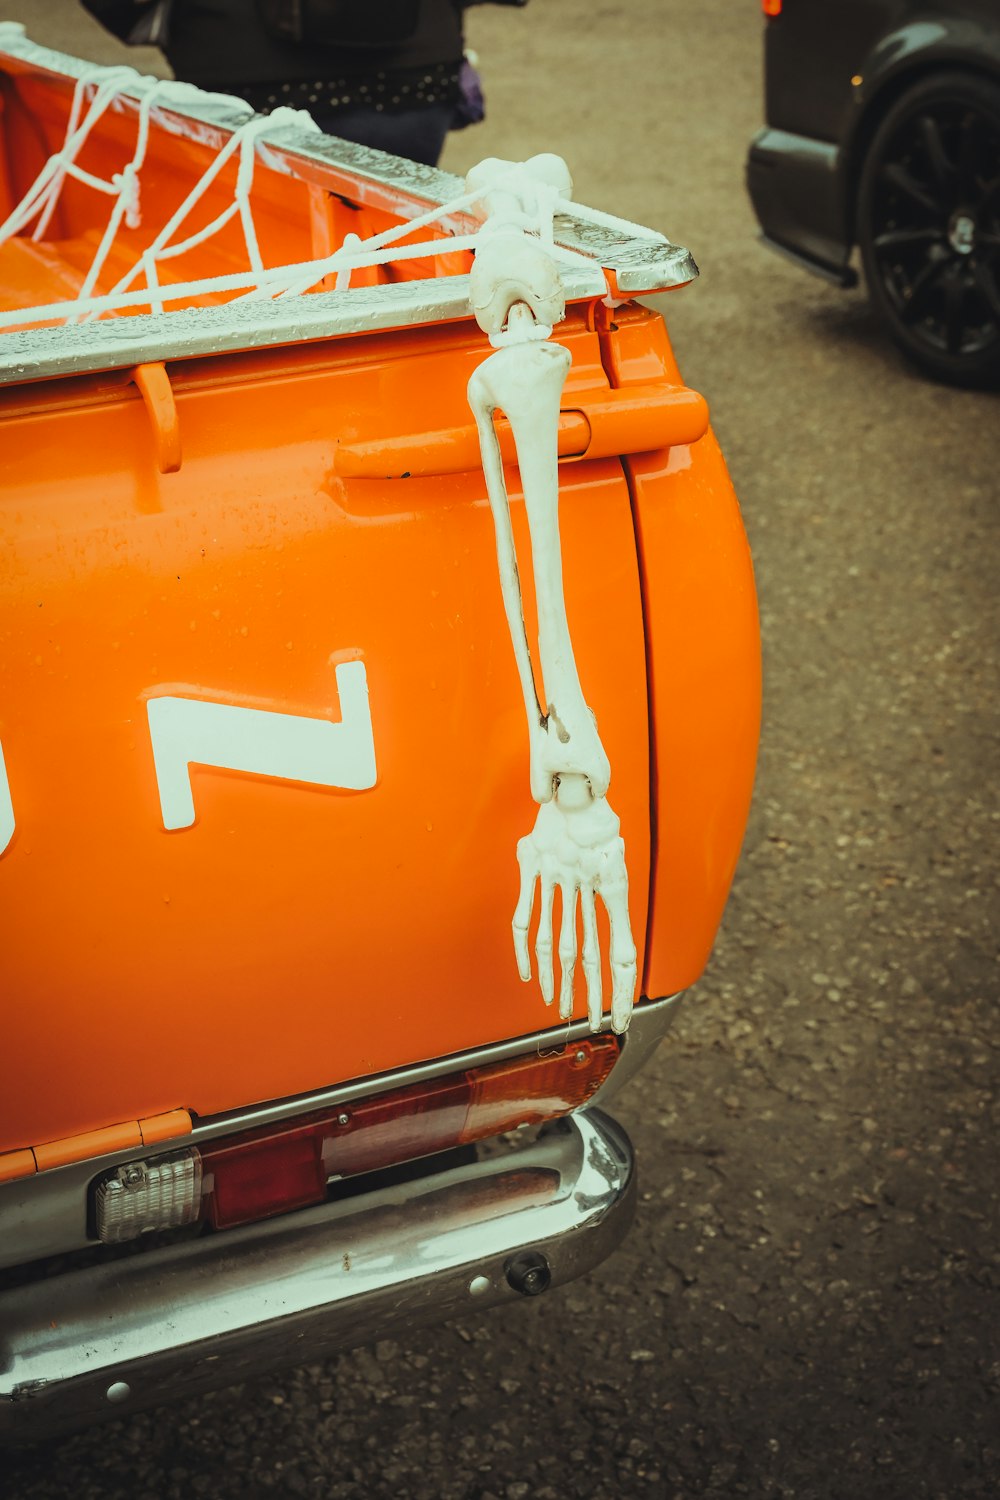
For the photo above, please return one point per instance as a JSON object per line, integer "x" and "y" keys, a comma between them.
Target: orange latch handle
{"x": 634, "y": 419}
{"x": 643, "y": 418}
{"x": 158, "y": 398}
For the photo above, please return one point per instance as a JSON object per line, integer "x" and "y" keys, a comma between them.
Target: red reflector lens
{"x": 253, "y": 1179}
{"x": 771, "y": 7}
{"x": 284, "y": 1166}
{"x": 400, "y": 1126}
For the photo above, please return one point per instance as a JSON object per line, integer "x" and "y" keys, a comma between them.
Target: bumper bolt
{"x": 529, "y": 1274}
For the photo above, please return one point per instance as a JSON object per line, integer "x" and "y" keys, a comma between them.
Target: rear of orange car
{"x": 269, "y": 1081}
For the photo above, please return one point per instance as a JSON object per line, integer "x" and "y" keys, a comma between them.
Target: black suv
{"x": 884, "y": 131}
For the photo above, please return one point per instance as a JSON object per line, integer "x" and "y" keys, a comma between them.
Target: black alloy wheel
{"x": 929, "y": 226}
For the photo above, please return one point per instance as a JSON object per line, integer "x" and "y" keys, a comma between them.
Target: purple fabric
{"x": 470, "y": 107}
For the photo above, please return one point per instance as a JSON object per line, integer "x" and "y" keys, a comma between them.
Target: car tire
{"x": 928, "y": 226}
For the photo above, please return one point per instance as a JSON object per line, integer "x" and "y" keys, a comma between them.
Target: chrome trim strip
{"x": 643, "y": 259}
{"x": 650, "y": 1023}
{"x": 36, "y": 354}
{"x": 47, "y": 1214}
{"x": 101, "y": 1342}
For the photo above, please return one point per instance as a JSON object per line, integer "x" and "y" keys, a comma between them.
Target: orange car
{"x": 263, "y": 767}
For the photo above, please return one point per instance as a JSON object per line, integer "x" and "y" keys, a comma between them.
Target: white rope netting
{"x": 96, "y": 92}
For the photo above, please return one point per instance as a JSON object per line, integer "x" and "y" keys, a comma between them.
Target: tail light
{"x": 274, "y": 1168}
{"x": 771, "y": 7}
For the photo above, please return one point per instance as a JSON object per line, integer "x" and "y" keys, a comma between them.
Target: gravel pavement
{"x": 806, "y": 1307}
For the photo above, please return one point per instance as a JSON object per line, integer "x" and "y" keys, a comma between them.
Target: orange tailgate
{"x": 297, "y": 933}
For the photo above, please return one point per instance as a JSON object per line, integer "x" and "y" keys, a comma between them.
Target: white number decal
{"x": 6, "y": 807}
{"x": 192, "y": 731}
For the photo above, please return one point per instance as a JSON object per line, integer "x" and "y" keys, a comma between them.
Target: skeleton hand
{"x": 575, "y": 845}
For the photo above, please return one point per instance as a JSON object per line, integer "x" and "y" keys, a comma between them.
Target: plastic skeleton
{"x": 516, "y": 297}
{"x": 575, "y": 844}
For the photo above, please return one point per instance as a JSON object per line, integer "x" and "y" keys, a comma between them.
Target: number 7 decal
{"x": 196, "y": 731}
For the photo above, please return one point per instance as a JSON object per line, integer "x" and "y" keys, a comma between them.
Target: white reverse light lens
{"x": 163, "y": 1193}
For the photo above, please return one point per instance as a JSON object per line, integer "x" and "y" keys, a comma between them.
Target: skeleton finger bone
{"x": 591, "y": 957}
{"x": 623, "y": 954}
{"x": 525, "y": 901}
{"x": 543, "y": 942}
{"x": 567, "y": 950}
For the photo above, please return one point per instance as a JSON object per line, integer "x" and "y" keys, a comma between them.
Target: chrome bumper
{"x": 100, "y": 1342}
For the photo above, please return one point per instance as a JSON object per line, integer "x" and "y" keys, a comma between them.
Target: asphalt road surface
{"x": 807, "y": 1305}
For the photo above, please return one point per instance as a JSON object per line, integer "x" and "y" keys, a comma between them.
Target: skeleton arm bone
{"x": 575, "y": 844}
{"x": 526, "y": 381}
{"x": 510, "y": 582}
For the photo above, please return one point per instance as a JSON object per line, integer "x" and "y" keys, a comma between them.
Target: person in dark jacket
{"x": 384, "y": 73}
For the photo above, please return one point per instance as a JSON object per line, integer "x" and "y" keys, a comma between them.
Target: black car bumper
{"x": 795, "y": 188}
